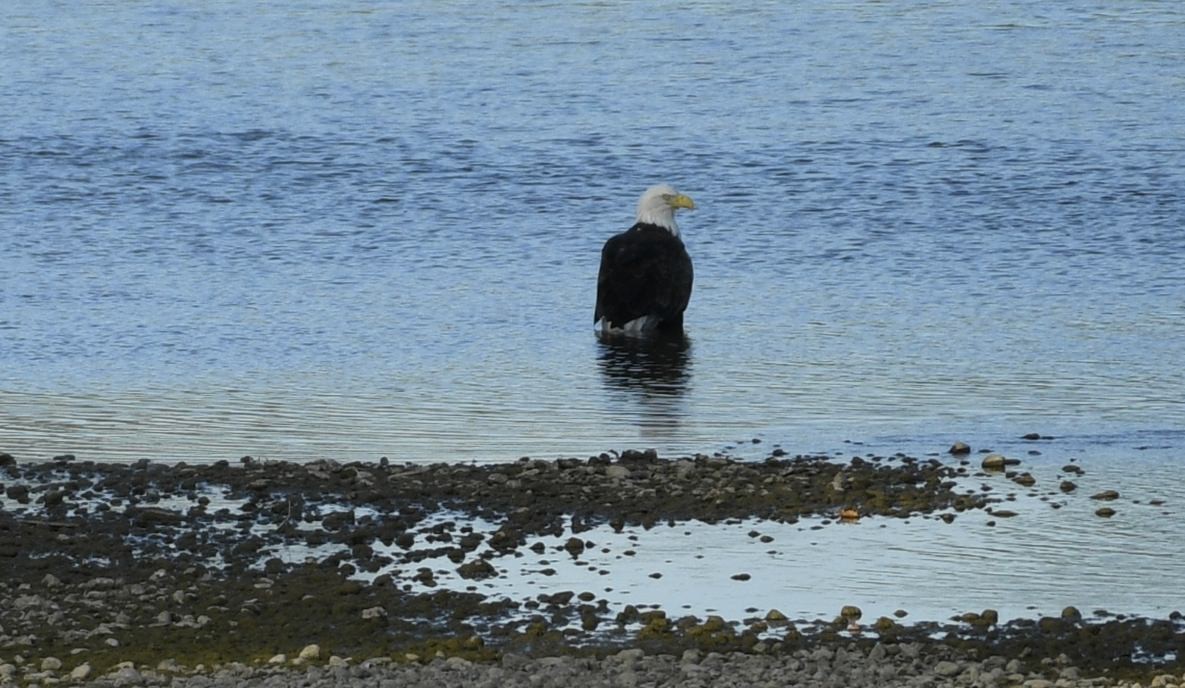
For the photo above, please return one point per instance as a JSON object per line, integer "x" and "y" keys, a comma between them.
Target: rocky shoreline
{"x": 170, "y": 574}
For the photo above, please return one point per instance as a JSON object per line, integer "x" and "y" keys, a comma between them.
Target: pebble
{"x": 617, "y": 472}
{"x": 51, "y": 664}
{"x": 851, "y": 612}
{"x": 309, "y": 652}
{"x": 127, "y": 676}
{"x": 994, "y": 462}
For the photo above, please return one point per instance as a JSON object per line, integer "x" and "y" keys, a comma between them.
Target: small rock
{"x": 851, "y": 612}
{"x": 335, "y": 661}
{"x": 574, "y": 545}
{"x": 947, "y": 668}
{"x": 51, "y": 664}
{"x": 775, "y": 616}
{"x": 50, "y": 581}
{"x": 1025, "y": 479}
{"x": 960, "y": 448}
{"x": 1106, "y": 495}
{"x": 741, "y": 577}
{"x": 477, "y": 569}
{"x": 1068, "y": 486}
{"x": 127, "y": 676}
{"x": 169, "y": 665}
{"x": 617, "y": 472}
{"x": 374, "y": 613}
{"x": 81, "y": 672}
{"x": 1031, "y": 436}
{"x": 310, "y": 652}
{"x": 994, "y": 462}
{"x": 278, "y": 659}
{"x": 1105, "y": 512}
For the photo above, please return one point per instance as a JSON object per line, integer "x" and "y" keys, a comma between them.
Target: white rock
{"x": 946, "y": 668}
{"x": 127, "y": 676}
{"x": 310, "y": 652}
{"x": 617, "y": 472}
{"x": 169, "y": 665}
{"x": 374, "y": 613}
{"x": 7, "y": 671}
{"x": 50, "y": 581}
{"x": 335, "y": 661}
{"x": 278, "y": 659}
{"x": 81, "y": 672}
{"x": 51, "y": 664}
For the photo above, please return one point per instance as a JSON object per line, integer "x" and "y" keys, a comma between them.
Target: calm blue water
{"x": 350, "y": 230}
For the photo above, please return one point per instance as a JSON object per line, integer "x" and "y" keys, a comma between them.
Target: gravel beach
{"x": 168, "y": 574}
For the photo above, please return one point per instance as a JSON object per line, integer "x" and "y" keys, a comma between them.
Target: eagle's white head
{"x": 658, "y": 205}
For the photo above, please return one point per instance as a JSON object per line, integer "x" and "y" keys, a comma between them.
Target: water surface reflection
{"x": 647, "y": 379}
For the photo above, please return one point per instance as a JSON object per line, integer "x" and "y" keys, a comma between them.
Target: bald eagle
{"x": 645, "y": 279}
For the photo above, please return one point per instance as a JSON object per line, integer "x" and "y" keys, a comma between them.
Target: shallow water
{"x": 316, "y": 231}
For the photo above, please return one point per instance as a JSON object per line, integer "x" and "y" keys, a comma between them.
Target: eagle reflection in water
{"x": 651, "y": 372}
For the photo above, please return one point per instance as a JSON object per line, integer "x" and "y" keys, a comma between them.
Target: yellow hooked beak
{"x": 681, "y": 201}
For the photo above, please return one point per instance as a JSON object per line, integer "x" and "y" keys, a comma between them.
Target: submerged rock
{"x": 960, "y": 448}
